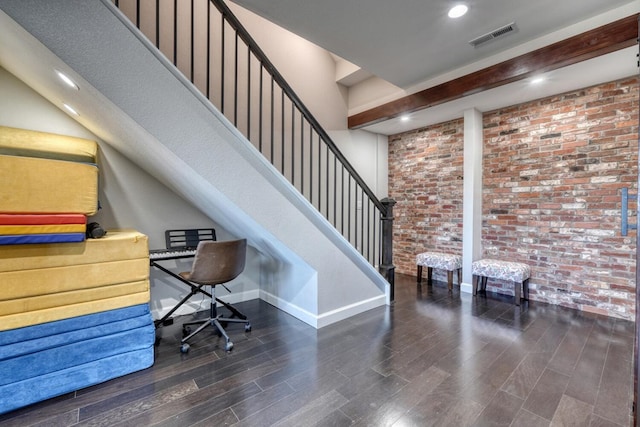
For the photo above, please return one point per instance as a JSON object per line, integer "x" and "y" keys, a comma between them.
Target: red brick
{"x": 578, "y": 249}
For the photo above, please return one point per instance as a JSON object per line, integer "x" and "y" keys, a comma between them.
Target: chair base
{"x": 214, "y": 320}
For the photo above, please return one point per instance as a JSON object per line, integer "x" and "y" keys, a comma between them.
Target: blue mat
{"x": 43, "y": 361}
{"x": 24, "y": 239}
{"x": 17, "y": 395}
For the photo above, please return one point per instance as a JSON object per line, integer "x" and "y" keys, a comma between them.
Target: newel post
{"x": 387, "y": 269}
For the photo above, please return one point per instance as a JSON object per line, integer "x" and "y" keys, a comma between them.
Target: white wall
{"x": 368, "y": 153}
{"x": 130, "y": 198}
{"x": 371, "y": 93}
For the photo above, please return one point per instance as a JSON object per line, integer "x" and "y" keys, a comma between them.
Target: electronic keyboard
{"x": 162, "y": 254}
{"x": 182, "y": 243}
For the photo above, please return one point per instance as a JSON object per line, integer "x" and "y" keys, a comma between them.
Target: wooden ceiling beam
{"x": 599, "y": 41}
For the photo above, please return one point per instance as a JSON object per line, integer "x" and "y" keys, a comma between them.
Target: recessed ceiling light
{"x": 404, "y": 118}
{"x": 71, "y": 109}
{"x": 458, "y": 10}
{"x": 537, "y": 80}
{"x": 66, "y": 79}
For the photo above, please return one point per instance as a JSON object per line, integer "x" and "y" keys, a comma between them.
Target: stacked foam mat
{"x": 73, "y": 313}
{"x": 49, "y": 185}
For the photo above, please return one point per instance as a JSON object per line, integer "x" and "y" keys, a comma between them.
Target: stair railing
{"x": 214, "y": 50}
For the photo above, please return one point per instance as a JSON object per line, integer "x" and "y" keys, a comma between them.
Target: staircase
{"x": 209, "y": 45}
{"x": 161, "y": 121}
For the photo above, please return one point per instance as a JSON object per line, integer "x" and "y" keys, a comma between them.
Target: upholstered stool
{"x": 441, "y": 261}
{"x": 516, "y": 272}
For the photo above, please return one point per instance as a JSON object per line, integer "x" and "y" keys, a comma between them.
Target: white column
{"x": 472, "y": 194}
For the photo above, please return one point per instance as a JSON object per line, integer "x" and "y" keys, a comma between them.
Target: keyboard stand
{"x": 179, "y": 240}
{"x": 194, "y": 290}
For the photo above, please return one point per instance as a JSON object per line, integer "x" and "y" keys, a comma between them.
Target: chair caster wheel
{"x": 186, "y": 331}
{"x": 228, "y": 346}
{"x": 247, "y": 327}
{"x": 184, "y": 348}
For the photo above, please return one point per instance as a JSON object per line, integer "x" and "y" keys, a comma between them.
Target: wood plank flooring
{"x": 431, "y": 359}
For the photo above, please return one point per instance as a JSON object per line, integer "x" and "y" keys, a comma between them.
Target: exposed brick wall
{"x": 425, "y": 179}
{"x": 553, "y": 170}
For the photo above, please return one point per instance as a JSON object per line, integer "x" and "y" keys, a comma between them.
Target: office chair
{"x": 216, "y": 263}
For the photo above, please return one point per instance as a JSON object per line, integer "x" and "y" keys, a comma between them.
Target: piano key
{"x": 162, "y": 254}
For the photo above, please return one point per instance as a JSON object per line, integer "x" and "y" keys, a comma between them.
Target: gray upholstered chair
{"x": 216, "y": 263}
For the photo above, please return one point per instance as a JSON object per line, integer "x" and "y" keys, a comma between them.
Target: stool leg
{"x": 419, "y": 274}
{"x": 517, "y": 296}
{"x": 525, "y": 289}
{"x": 429, "y": 272}
{"x": 450, "y": 280}
{"x": 459, "y": 277}
{"x": 474, "y": 284}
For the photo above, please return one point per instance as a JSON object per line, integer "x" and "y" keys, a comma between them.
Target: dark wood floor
{"x": 432, "y": 359}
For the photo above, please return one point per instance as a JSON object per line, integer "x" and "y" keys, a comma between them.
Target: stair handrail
{"x": 268, "y": 65}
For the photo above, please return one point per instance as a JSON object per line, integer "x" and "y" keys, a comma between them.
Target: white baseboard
{"x": 350, "y": 310}
{"x": 292, "y": 309}
{"x": 466, "y": 288}
{"x": 325, "y": 319}
{"x": 317, "y": 321}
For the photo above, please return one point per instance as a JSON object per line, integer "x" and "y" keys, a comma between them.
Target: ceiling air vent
{"x": 499, "y": 32}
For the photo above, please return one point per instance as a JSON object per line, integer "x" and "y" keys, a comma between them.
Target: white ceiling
{"x": 408, "y": 41}
{"x": 414, "y": 45}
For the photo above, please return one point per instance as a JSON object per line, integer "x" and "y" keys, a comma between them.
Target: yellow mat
{"x": 116, "y": 245}
{"x": 29, "y": 318}
{"x": 61, "y": 299}
{"x": 45, "y": 281}
{"x": 31, "y": 185}
{"x": 21, "y": 142}
{"x": 42, "y": 229}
